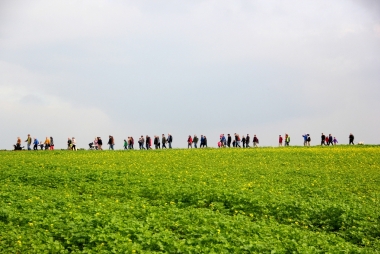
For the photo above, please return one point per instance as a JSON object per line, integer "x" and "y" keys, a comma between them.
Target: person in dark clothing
{"x": 147, "y": 142}
{"x": 204, "y": 141}
{"x": 163, "y": 141}
{"x": 243, "y": 141}
{"x": 351, "y": 139}
{"x": 228, "y": 140}
{"x": 195, "y": 141}
{"x": 111, "y": 142}
{"x": 100, "y": 143}
{"x": 331, "y": 140}
{"x": 323, "y": 138}
{"x": 170, "y": 140}
{"x": 247, "y": 140}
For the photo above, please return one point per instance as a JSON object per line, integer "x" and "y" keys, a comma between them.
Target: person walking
{"x": 330, "y": 140}
{"x": 35, "y": 144}
{"x": 287, "y": 140}
{"x": 255, "y": 141}
{"x": 74, "y": 144}
{"x": 28, "y": 142}
{"x": 47, "y": 143}
{"x": 189, "y": 142}
{"x": 237, "y": 140}
{"x": 95, "y": 143}
{"x": 243, "y": 141}
{"x": 351, "y": 139}
{"x": 68, "y": 143}
{"x": 163, "y": 140}
{"x": 222, "y": 140}
{"x": 51, "y": 143}
{"x": 204, "y": 141}
{"x": 323, "y": 139}
{"x": 100, "y": 143}
{"x": 304, "y": 139}
{"x": 141, "y": 143}
{"x": 280, "y": 139}
{"x": 247, "y": 140}
{"x": 195, "y": 141}
{"x": 147, "y": 142}
{"x": 111, "y": 142}
{"x": 132, "y": 142}
{"x": 125, "y": 144}
{"x": 229, "y": 140}
{"x": 308, "y": 140}
{"x": 335, "y": 141}
{"x": 170, "y": 140}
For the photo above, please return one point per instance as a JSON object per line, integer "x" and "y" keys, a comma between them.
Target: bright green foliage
{"x": 265, "y": 200}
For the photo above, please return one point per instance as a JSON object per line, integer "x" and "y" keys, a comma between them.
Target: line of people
{"x": 146, "y": 143}
{"x": 48, "y": 144}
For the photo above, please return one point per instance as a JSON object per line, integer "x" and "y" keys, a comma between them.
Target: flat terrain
{"x": 265, "y": 200}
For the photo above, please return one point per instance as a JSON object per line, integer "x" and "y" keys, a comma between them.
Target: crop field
{"x": 265, "y": 200}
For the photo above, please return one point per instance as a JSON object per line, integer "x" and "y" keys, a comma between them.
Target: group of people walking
{"x": 194, "y": 140}
{"x": 48, "y": 144}
{"x": 160, "y": 143}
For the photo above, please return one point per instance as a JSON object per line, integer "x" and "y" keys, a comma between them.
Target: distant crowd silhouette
{"x": 160, "y": 143}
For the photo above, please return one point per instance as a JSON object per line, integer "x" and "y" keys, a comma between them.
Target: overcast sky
{"x": 94, "y": 68}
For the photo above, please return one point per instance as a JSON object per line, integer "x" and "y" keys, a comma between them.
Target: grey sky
{"x": 93, "y": 68}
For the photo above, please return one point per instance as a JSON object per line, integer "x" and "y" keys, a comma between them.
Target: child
{"x": 125, "y": 144}
{"x": 335, "y": 141}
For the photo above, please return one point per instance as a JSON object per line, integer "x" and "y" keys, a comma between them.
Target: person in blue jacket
{"x": 35, "y": 144}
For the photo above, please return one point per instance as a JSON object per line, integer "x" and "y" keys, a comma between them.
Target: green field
{"x": 265, "y": 200}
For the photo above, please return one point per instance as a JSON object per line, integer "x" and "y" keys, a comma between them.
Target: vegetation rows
{"x": 267, "y": 200}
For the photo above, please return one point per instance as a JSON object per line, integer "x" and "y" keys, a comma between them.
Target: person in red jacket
{"x": 190, "y": 142}
{"x": 280, "y": 140}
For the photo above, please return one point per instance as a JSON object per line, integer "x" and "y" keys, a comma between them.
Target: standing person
{"x": 74, "y": 144}
{"x": 111, "y": 142}
{"x": 163, "y": 141}
{"x": 125, "y": 144}
{"x": 308, "y": 140}
{"x": 147, "y": 142}
{"x": 323, "y": 139}
{"x": 189, "y": 142}
{"x": 35, "y": 144}
{"x": 170, "y": 140}
{"x": 280, "y": 139}
{"x": 335, "y": 141}
{"x": 41, "y": 145}
{"x": 155, "y": 141}
{"x": 204, "y": 141}
{"x": 100, "y": 143}
{"x": 255, "y": 141}
{"x": 330, "y": 140}
{"x": 351, "y": 139}
{"x": 327, "y": 140}
{"x": 28, "y": 142}
{"x": 304, "y": 139}
{"x": 47, "y": 143}
{"x": 243, "y": 141}
{"x": 132, "y": 142}
{"x": 247, "y": 140}
{"x": 51, "y": 143}
{"x": 68, "y": 143}
{"x": 195, "y": 141}
{"x": 158, "y": 142}
{"x": 229, "y": 139}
